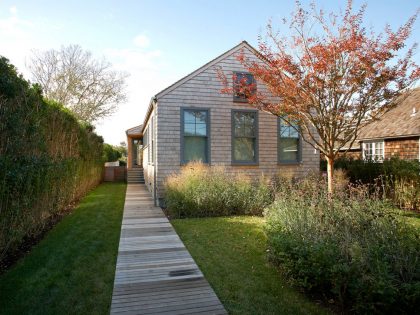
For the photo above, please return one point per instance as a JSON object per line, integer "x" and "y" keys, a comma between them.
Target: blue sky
{"x": 156, "y": 41}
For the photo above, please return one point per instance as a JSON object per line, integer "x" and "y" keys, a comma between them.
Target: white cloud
{"x": 141, "y": 41}
{"x": 148, "y": 76}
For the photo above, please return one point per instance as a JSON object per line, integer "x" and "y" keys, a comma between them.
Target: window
{"x": 195, "y": 135}
{"x": 244, "y": 137}
{"x": 146, "y": 143}
{"x": 289, "y": 142}
{"x": 145, "y": 135}
{"x": 149, "y": 141}
{"x": 152, "y": 140}
{"x": 373, "y": 150}
{"x": 241, "y": 80}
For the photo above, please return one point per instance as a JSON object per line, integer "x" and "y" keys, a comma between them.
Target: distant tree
{"x": 330, "y": 76}
{"x": 90, "y": 88}
{"x": 122, "y": 148}
{"x": 110, "y": 153}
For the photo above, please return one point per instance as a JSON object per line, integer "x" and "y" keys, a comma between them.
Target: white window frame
{"x": 375, "y": 145}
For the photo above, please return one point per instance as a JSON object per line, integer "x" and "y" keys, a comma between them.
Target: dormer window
{"x": 244, "y": 85}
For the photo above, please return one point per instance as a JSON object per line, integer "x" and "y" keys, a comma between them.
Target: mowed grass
{"x": 71, "y": 271}
{"x": 231, "y": 252}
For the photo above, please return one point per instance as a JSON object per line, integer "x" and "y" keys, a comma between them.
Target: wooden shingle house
{"x": 191, "y": 120}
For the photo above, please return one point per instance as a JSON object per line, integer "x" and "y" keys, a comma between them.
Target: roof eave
{"x": 390, "y": 137}
{"x": 153, "y": 101}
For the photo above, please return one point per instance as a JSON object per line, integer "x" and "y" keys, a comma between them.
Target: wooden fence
{"x": 115, "y": 174}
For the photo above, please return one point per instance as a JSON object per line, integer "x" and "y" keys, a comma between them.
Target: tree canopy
{"x": 90, "y": 88}
{"x": 330, "y": 75}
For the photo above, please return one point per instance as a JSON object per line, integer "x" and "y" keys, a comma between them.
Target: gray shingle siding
{"x": 203, "y": 91}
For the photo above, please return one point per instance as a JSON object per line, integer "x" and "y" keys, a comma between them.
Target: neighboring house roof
{"x": 134, "y": 131}
{"x": 241, "y": 45}
{"x": 401, "y": 121}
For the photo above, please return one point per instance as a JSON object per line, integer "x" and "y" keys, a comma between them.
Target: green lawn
{"x": 71, "y": 271}
{"x": 231, "y": 252}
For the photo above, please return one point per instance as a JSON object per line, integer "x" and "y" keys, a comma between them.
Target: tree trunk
{"x": 330, "y": 174}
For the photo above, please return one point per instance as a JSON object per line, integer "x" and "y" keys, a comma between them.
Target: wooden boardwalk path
{"x": 155, "y": 273}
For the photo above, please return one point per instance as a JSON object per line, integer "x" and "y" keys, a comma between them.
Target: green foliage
{"x": 110, "y": 153}
{"x": 199, "y": 191}
{"x": 350, "y": 247}
{"x": 47, "y": 159}
{"x": 397, "y": 179}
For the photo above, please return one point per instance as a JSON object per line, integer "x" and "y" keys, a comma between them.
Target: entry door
{"x": 134, "y": 153}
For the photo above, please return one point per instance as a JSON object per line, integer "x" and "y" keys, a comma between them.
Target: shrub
{"x": 352, "y": 249}
{"x": 398, "y": 180}
{"x": 47, "y": 159}
{"x": 201, "y": 191}
{"x": 110, "y": 153}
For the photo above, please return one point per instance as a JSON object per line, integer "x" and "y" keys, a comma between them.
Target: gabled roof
{"x": 134, "y": 131}
{"x": 241, "y": 45}
{"x": 401, "y": 121}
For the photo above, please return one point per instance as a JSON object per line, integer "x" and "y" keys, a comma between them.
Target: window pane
{"x": 237, "y": 118}
{"x": 289, "y": 149}
{"x": 201, "y": 117}
{"x": 195, "y": 149}
{"x": 201, "y": 130}
{"x": 244, "y": 124}
{"x": 288, "y": 130}
{"x": 189, "y": 116}
{"x": 189, "y": 129}
{"x": 368, "y": 151}
{"x": 195, "y": 123}
{"x": 238, "y": 124}
{"x": 244, "y": 149}
{"x": 248, "y": 118}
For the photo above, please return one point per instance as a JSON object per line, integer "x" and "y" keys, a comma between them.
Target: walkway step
{"x": 155, "y": 274}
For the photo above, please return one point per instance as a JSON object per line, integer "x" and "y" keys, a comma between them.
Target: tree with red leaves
{"x": 330, "y": 76}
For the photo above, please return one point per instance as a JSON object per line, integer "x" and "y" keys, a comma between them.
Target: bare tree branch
{"x": 91, "y": 89}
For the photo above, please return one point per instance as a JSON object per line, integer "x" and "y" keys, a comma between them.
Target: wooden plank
{"x": 155, "y": 274}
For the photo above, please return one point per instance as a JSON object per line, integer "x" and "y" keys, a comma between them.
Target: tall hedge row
{"x": 47, "y": 159}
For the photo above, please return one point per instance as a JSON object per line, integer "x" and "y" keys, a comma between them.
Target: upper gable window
{"x": 244, "y": 85}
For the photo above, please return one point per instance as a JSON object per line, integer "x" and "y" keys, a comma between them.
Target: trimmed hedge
{"x": 47, "y": 159}
{"x": 353, "y": 250}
